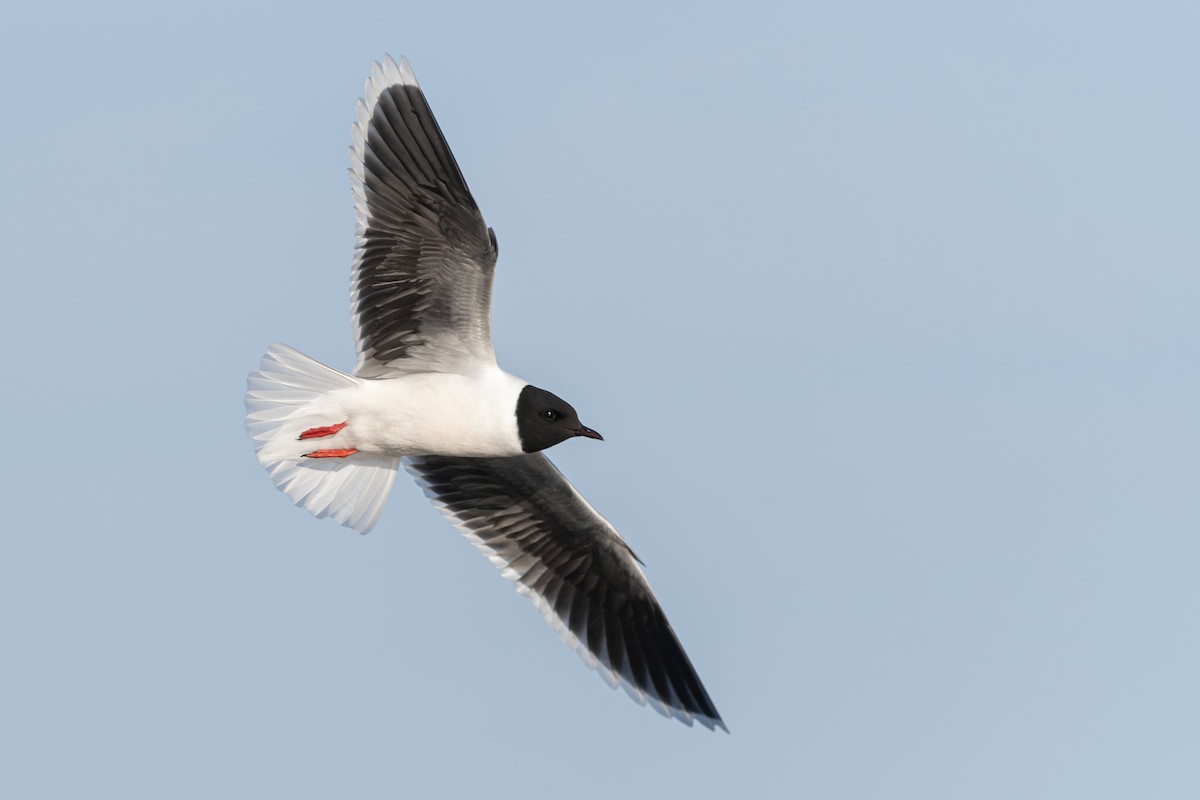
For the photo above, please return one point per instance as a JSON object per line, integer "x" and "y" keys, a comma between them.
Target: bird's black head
{"x": 544, "y": 420}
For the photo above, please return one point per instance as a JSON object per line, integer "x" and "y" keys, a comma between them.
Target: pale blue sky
{"x": 888, "y": 313}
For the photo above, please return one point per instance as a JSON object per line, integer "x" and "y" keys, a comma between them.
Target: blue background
{"x": 888, "y": 313}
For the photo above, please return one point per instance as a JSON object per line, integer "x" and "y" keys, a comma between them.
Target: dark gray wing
{"x": 421, "y": 285}
{"x": 575, "y": 568}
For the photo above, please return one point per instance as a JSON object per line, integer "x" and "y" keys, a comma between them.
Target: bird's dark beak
{"x": 588, "y": 432}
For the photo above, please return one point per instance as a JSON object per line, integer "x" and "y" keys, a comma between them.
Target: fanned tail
{"x": 290, "y": 394}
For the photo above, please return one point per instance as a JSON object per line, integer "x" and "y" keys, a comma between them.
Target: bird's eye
{"x": 550, "y": 415}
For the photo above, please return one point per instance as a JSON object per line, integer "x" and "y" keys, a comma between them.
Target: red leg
{"x": 330, "y": 453}
{"x": 328, "y": 430}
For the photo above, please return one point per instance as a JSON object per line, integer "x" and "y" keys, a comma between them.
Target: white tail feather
{"x": 289, "y": 393}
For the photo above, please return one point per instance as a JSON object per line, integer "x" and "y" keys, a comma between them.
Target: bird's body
{"x": 414, "y": 414}
{"x": 427, "y": 392}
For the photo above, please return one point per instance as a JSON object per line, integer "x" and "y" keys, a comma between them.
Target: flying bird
{"x": 427, "y": 393}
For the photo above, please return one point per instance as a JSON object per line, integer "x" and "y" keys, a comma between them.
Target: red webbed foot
{"x": 318, "y": 433}
{"x": 330, "y": 453}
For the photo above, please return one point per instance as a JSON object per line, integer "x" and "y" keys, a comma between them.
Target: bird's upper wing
{"x": 421, "y": 285}
{"x": 533, "y": 525}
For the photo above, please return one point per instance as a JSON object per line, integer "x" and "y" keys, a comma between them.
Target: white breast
{"x": 433, "y": 413}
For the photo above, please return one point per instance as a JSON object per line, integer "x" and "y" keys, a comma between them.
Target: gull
{"x": 427, "y": 393}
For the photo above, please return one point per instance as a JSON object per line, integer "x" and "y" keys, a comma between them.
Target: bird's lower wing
{"x": 533, "y": 525}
